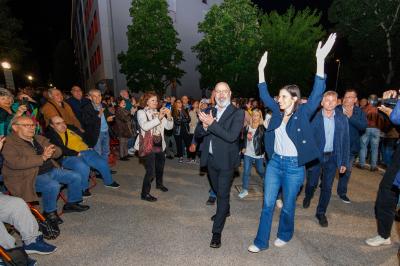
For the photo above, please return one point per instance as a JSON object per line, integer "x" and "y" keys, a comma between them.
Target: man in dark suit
{"x": 331, "y": 133}
{"x": 220, "y": 130}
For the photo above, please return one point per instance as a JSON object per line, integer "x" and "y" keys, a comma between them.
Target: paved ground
{"x": 121, "y": 229}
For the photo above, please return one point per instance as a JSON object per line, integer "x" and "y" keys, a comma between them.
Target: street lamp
{"x": 337, "y": 72}
{"x": 8, "y": 76}
{"x": 30, "y": 78}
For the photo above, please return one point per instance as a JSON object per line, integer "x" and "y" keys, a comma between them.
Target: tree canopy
{"x": 152, "y": 59}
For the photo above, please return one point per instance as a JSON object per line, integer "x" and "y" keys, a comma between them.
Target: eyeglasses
{"x": 222, "y": 92}
{"x": 27, "y": 125}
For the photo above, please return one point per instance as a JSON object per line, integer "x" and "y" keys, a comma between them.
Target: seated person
{"x": 15, "y": 211}
{"x": 77, "y": 155}
{"x": 29, "y": 167}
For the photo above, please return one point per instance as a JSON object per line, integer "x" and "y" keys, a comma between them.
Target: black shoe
{"x": 113, "y": 185}
{"x": 215, "y": 241}
{"x": 345, "y": 199}
{"x": 162, "y": 188}
{"x": 75, "y": 207}
{"x": 213, "y": 217}
{"x": 170, "y": 157}
{"x": 149, "y": 197}
{"x": 322, "y": 220}
{"x": 211, "y": 201}
{"x": 53, "y": 217}
{"x": 130, "y": 156}
{"x": 124, "y": 158}
{"x": 113, "y": 172}
{"x": 306, "y": 203}
{"x": 86, "y": 194}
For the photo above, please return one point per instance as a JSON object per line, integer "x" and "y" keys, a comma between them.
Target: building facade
{"x": 98, "y": 31}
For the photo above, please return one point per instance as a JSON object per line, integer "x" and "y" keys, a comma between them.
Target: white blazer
{"x": 146, "y": 124}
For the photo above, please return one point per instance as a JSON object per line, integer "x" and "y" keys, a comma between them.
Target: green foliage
{"x": 151, "y": 62}
{"x": 12, "y": 48}
{"x": 230, "y": 48}
{"x": 291, "y": 40}
{"x": 363, "y": 23}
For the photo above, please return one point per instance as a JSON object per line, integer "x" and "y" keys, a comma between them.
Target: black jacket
{"x": 92, "y": 123}
{"x": 181, "y": 122}
{"x": 55, "y": 139}
{"x": 258, "y": 140}
{"x": 225, "y": 135}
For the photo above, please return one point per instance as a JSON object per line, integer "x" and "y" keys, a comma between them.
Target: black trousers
{"x": 153, "y": 161}
{"x": 388, "y": 195}
{"x": 221, "y": 182}
{"x": 184, "y": 139}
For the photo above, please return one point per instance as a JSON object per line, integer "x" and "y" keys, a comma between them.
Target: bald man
{"x": 220, "y": 128}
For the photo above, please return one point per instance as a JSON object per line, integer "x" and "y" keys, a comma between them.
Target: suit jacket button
{"x": 295, "y": 117}
{"x": 304, "y": 142}
{"x": 298, "y": 129}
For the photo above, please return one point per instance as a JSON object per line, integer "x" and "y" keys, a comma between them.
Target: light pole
{"x": 337, "y": 73}
{"x": 8, "y": 76}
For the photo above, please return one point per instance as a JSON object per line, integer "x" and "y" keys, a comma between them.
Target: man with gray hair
{"x": 95, "y": 117}
{"x": 56, "y": 106}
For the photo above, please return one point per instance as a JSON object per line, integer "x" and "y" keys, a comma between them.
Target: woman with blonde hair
{"x": 253, "y": 149}
{"x": 150, "y": 120}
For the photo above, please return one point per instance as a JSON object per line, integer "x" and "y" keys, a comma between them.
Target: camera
{"x": 391, "y": 103}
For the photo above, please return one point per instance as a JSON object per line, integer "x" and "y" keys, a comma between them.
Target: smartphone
{"x": 25, "y": 101}
{"x": 168, "y": 105}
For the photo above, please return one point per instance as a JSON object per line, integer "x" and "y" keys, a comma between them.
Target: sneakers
{"x": 253, "y": 249}
{"x": 345, "y": 199}
{"x": 378, "y": 241}
{"x": 113, "y": 185}
{"x": 243, "y": 193}
{"x": 279, "y": 203}
{"x": 279, "y": 243}
{"x": 39, "y": 247}
{"x": 131, "y": 151}
{"x": 180, "y": 160}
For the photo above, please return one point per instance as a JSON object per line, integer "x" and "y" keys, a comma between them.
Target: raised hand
{"x": 323, "y": 51}
{"x": 261, "y": 67}
{"x": 389, "y": 94}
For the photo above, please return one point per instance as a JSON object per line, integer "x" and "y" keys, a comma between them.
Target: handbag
{"x": 145, "y": 143}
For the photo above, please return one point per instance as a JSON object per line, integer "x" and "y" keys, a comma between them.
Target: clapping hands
{"x": 206, "y": 119}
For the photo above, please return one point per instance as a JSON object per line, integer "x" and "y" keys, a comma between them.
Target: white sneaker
{"x": 131, "y": 151}
{"x": 378, "y": 241}
{"x": 279, "y": 203}
{"x": 253, "y": 249}
{"x": 243, "y": 193}
{"x": 279, "y": 243}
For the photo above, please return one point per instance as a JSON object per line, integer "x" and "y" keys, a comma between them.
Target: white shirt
{"x": 250, "y": 145}
{"x": 283, "y": 145}
{"x": 220, "y": 112}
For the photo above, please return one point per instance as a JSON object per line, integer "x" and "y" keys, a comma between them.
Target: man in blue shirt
{"x": 331, "y": 133}
{"x": 357, "y": 125}
{"x": 388, "y": 193}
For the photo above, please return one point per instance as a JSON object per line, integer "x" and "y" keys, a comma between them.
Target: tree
{"x": 152, "y": 59}
{"x": 291, "y": 40}
{"x": 372, "y": 29}
{"x": 229, "y": 50}
{"x": 12, "y": 48}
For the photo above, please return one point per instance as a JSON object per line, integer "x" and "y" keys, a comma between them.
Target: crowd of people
{"x": 59, "y": 139}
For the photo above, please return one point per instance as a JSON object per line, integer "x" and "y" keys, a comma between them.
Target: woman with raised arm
{"x": 289, "y": 145}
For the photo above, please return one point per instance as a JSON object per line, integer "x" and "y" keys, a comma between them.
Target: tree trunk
{"x": 390, "y": 73}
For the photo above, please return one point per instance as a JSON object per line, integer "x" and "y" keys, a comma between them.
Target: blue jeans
{"x": 102, "y": 146}
{"x": 371, "y": 135}
{"x": 328, "y": 167}
{"x": 82, "y": 164}
{"x": 388, "y": 147}
{"x": 247, "y": 164}
{"x": 344, "y": 178}
{"x": 49, "y": 185}
{"x": 282, "y": 171}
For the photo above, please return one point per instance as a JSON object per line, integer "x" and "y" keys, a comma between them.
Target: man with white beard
{"x": 220, "y": 129}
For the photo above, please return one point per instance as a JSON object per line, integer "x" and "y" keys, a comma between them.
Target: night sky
{"x": 46, "y": 22}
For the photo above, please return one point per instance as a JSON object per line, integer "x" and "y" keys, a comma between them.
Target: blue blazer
{"x": 357, "y": 125}
{"x": 341, "y": 139}
{"x": 298, "y": 127}
{"x": 224, "y": 135}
